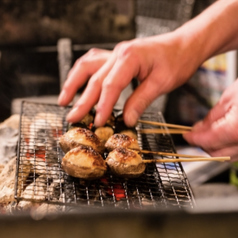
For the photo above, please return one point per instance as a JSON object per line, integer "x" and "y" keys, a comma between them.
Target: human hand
{"x": 217, "y": 134}
{"x": 159, "y": 64}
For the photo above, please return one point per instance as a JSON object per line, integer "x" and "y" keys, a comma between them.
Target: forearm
{"x": 212, "y": 32}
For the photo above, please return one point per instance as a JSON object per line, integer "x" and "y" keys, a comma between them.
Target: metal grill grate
{"x": 160, "y": 16}
{"x": 40, "y": 178}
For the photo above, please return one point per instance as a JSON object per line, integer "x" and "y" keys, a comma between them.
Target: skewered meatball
{"x": 88, "y": 119}
{"x": 104, "y": 133}
{"x": 80, "y": 136}
{"x": 121, "y": 140}
{"x": 86, "y": 122}
{"x": 84, "y": 162}
{"x": 125, "y": 163}
{"x": 130, "y": 133}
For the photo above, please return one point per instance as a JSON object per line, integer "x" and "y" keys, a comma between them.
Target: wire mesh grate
{"x": 40, "y": 178}
{"x": 160, "y": 16}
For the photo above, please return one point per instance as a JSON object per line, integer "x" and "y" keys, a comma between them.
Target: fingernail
{"x": 72, "y": 114}
{"x": 131, "y": 117}
{"x": 62, "y": 97}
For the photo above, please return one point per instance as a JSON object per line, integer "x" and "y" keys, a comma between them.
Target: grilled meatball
{"x": 80, "y": 136}
{"x": 88, "y": 119}
{"x": 125, "y": 163}
{"x": 84, "y": 162}
{"x": 86, "y": 122}
{"x": 121, "y": 140}
{"x": 104, "y": 133}
{"x": 130, "y": 133}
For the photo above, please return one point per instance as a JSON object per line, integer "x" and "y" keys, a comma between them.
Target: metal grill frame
{"x": 162, "y": 185}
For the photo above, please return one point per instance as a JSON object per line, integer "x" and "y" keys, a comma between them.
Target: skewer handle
{"x": 169, "y": 154}
{"x": 162, "y": 131}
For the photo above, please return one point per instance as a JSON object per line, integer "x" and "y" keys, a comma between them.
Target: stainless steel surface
{"x": 65, "y": 57}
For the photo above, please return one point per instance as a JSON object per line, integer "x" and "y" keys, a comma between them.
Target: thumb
{"x": 203, "y": 127}
{"x": 217, "y": 112}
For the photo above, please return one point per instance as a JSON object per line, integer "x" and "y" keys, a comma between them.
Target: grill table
{"x": 40, "y": 178}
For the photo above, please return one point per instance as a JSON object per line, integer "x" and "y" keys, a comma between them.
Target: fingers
{"x": 213, "y": 115}
{"x": 216, "y": 135}
{"x": 228, "y": 99}
{"x": 112, "y": 73}
{"x": 145, "y": 94}
{"x": 117, "y": 79}
{"x": 85, "y": 103}
{"x": 82, "y": 70}
{"x": 106, "y": 84}
{"x": 91, "y": 93}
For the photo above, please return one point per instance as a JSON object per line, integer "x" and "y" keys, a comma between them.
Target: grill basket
{"x": 40, "y": 178}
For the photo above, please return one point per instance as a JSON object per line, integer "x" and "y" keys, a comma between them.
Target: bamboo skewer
{"x": 154, "y": 123}
{"x": 184, "y": 157}
{"x": 198, "y": 159}
{"x": 176, "y": 129}
{"x": 169, "y": 154}
{"x": 162, "y": 131}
